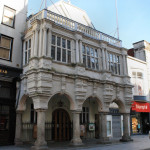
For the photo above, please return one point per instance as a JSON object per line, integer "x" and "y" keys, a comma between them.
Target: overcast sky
{"x": 133, "y": 17}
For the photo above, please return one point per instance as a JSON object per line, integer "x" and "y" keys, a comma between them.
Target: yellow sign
{"x": 3, "y": 71}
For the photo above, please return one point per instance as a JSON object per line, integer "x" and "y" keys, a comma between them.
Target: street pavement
{"x": 140, "y": 142}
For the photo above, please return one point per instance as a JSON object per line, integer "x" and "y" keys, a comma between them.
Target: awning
{"x": 140, "y": 107}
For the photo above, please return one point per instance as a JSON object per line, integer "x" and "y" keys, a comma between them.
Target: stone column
{"x": 124, "y": 65}
{"x": 40, "y": 142}
{"x": 77, "y": 52}
{"x": 32, "y": 44}
{"x": 40, "y": 41}
{"x": 49, "y": 42}
{"x": 18, "y": 138}
{"x": 103, "y": 58}
{"x": 103, "y": 128}
{"x": 126, "y": 127}
{"x": 76, "y": 129}
{"x": 44, "y": 41}
{"x": 106, "y": 54}
{"x": 36, "y": 43}
{"x": 81, "y": 57}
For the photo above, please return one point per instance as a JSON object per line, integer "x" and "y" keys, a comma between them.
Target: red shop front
{"x": 140, "y": 117}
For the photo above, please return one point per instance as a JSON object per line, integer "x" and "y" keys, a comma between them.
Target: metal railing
{"x": 75, "y": 26}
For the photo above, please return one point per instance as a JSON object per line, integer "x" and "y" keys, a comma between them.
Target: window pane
{"x": 110, "y": 58}
{"x": 83, "y": 49}
{"x": 58, "y": 41}
{"x": 29, "y": 54}
{"x": 114, "y": 58}
{"x": 63, "y": 43}
{"x": 4, "y": 53}
{"x": 58, "y": 54}
{"x": 53, "y": 52}
{"x": 8, "y": 16}
{"x": 68, "y": 44}
{"x": 93, "y": 62}
{"x": 115, "y": 68}
{"x": 26, "y": 57}
{"x": 88, "y": 50}
{"x": 5, "y": 42}
{"x": 69, "y": 56}
{"x": 30, "y": 43}
{"x": 84, "y": 60}
{"x": 111, "y": 66}
{"x": 89, "y": 62}
{"x": 118, "y": 68}
{"x": 64, "y": 55}
{"x": 96, "y": 54}
{"x": 26, "y": 45}
{"x": 96, "y": 63}
{"x": 92, "y": 52}
{"x": 53, "y": 39}
{"x": 117, "y": 59}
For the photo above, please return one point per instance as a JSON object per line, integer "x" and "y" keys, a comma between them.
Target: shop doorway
{"x": 4, "y": 124}
{"x": 61, "y": 128}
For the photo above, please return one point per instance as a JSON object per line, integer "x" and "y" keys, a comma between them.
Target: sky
{"x": 133, "y": 17}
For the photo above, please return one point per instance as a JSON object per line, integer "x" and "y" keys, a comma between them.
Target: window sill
{"x": 7, "y": 25}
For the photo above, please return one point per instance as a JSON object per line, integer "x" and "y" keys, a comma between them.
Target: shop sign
{"x": 140, "y": 107}
{"x": 3, "y": 71}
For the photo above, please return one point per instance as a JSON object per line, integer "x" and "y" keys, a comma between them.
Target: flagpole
{"x": 117, "y": 20}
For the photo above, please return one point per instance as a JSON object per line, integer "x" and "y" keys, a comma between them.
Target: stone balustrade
{"x": 75, "y": 26}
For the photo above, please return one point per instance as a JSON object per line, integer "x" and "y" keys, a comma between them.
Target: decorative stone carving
{"x": 80, "y": 92}
{"x": 107, "y": 92}
{"x": 63, "y": 84}
{"x": 45, "y": 63}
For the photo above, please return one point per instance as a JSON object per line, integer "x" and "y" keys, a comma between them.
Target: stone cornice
{"x": 76, "y": 76}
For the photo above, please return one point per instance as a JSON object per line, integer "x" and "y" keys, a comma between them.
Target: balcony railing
{"x": 75, "y": 26}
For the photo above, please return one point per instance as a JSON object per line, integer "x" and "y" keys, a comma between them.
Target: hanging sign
{"x": 140, "y": 107}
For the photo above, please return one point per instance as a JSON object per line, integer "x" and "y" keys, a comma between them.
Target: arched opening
{"x": 115, "y": 127}
{"x": 61, "y": 128}
{"x": 89, "y": 118}
{"x": 59, "y": 118}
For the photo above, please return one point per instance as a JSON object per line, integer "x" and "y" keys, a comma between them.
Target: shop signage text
{"x": 140, "y": 107}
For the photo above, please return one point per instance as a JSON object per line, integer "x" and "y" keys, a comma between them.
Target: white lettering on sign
{"x": 141, "y": 107}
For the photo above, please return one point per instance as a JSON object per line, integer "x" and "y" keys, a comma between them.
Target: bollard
{"x": 149, "y": 134}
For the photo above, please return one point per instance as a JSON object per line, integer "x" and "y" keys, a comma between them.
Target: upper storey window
{"x": 8, "y": 16}
{"x": 114, "y": 63}
{"x": 5, "y": 47}
{"x": 27, "y": 51}
{"x": 61, "y": 49}
{"x": 90, "y": 57}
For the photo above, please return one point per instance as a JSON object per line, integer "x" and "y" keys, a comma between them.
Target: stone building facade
{"x": 73, "y": 75}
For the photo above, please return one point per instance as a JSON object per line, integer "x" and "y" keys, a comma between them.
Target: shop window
{"x": 60, "y": 49}
{"x": 114, "y": 63}
{"x": 27, "y": 51}
{"x": 137, "y": 81}
{"x": 8, "y": 16}
{"x": 84, "y": 116}
{"x": 33, "y": 115}
{"x": 90, "y": 57}
{"x": 5, "y": 47}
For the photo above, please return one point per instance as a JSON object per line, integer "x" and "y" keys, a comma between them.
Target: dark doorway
{"x": 61, "y": 125}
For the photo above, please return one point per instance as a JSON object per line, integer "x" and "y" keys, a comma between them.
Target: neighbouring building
{"x": 12, "y": 26}
{"x": 75, "y": 82}
{"x": 139, "y": 71}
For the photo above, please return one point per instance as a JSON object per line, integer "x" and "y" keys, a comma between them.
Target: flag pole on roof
{"x": 117, "y": 20}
